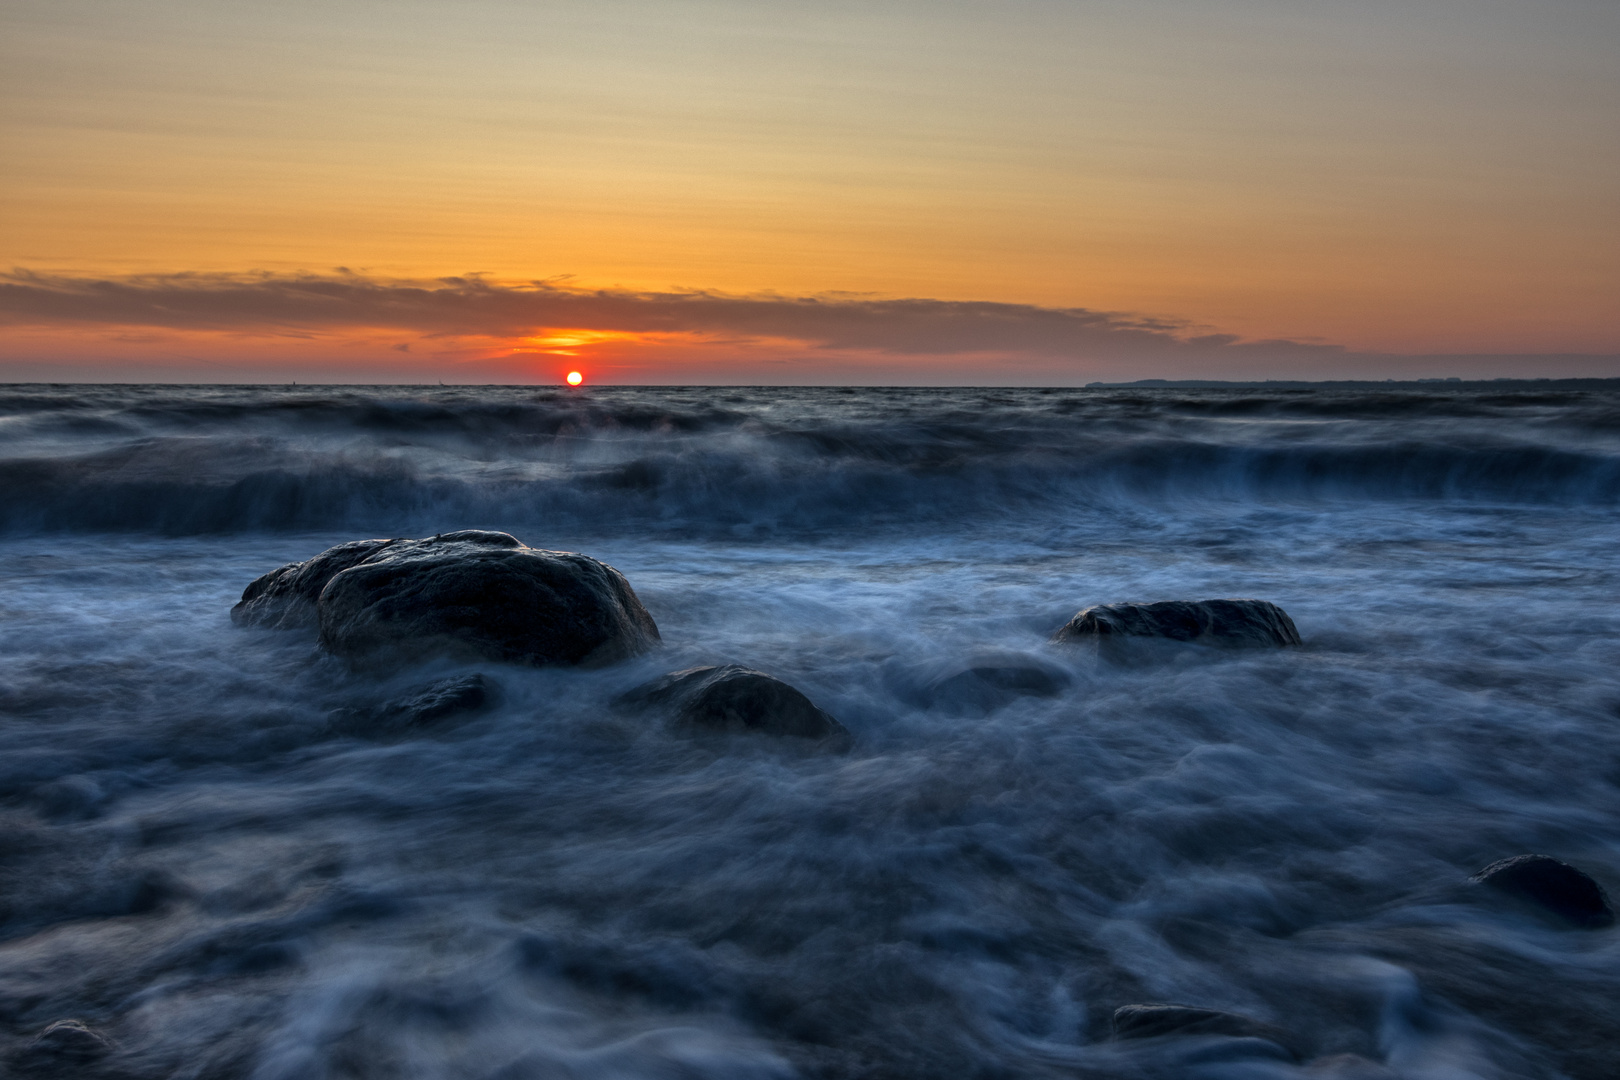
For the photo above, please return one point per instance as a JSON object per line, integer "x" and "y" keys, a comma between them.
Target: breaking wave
{"x": 719, "y": 461}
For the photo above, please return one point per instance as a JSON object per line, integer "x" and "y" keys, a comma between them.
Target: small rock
{"x": 1556, "y": 887}
{"x": 1208, "y": 622}
{"x": 1152, "y": 1020}
{"x": 736, "y": 699}
{"x": 428, "y": 706}
{"x": 437, "y": 701}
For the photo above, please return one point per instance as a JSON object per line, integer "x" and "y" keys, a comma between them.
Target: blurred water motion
{"x": 202, "y": 867}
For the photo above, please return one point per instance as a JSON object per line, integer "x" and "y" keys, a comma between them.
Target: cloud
{"x": 287, "y": 305}
{"x": 345, "y": 326}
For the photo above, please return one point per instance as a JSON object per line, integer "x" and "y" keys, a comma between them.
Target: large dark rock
{"x": 285, "y": 597}
{"x": 426, "y": 708}
{"x": 1208, "y": 622}
{"x": 1555, "y": 887}
{"x": 732, "y": 699}
{"x": 468, "y": 594}
{"x": 1153, "y": 1020}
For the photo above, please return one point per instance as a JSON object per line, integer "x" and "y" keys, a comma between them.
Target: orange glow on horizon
{"x": 358, "y": 355}
{"x": 564, "y": 341}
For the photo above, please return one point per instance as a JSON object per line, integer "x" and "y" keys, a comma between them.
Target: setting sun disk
{"x": 575, "y": 378}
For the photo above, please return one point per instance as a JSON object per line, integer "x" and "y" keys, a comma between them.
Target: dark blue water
{"x": 198, "y": 865}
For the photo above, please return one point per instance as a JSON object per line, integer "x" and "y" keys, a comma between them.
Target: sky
{"x": 1029, "y": 191}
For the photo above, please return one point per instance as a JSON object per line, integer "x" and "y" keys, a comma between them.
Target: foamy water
{"x": 197, "y": 865}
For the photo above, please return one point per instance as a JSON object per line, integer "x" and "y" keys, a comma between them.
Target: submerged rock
{"x": 1152, "y": 1020}
{"x": 427, "y": 707}
{"x": 736, "y": 699}
{"x": 469, "y": 594}
{"x": 1208, "y": 622}
{"x": 62, "y": 1048}
{"x": 1555, "y": 887}
{"x": 1349, "y": 1067}
{"x": 983, "y": 684}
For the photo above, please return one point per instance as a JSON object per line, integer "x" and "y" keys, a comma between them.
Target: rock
{"x": 1348, "y": 1067}
{"x": 469, "y": 594}
{"x": 1208, "y": 622}
{"x": 443, "y": 699}
{"x": 738, "y": 699}
{"x": 285, "y": 598}
{"x": 1555, "y": 887}
{"x": 62, "y": 1045}
{"x": 426, "y": 707}
{"x": 989, "y": 686}
{"x": 1152, "y": 1020}
{"x": 985, "y": 683}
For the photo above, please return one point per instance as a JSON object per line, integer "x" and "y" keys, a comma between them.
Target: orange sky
{"x": 1426, "y": 177}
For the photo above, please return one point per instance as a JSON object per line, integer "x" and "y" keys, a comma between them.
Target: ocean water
{"x": 197, "y": 864}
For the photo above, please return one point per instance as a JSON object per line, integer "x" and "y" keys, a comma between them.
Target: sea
{"x": 217, "y": 881}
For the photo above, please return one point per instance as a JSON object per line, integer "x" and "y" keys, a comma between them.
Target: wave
{"x": 688, "y": 461}
{"x": 724, "y": 492}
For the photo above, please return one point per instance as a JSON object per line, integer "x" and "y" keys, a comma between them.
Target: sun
{"x": 575, "y": 378}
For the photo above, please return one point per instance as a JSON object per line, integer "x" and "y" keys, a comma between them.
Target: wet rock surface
{"x": 285, "y": 598}
{"x": 430, "y": 707}
{"x": 736, "y": 700}
{"x": 469, "y": 594}
{"x": 1207, "y": 622}
{"x": 1562, "y": 891}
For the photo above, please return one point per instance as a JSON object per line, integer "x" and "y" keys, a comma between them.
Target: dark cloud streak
{"x": 831, "y": 338}
{"x": 298, "y": 304}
